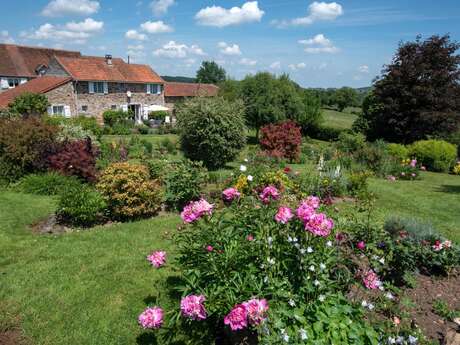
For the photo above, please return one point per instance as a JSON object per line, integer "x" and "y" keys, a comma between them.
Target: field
{"x": 339, "y": 120}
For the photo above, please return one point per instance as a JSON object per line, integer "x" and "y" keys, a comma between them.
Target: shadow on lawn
{"x": 448, "y": 188}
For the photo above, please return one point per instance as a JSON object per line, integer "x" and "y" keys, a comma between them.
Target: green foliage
{"x": 29, "y": 104}
{"x": 351, "y": 142}
{"x": 441, "y": 308}
{"x": 398, "y": 151}
{"x": 345, "y": 97}
{"x": 73, "y": 132}
{"x": 158, "y": 115}
{"x": 87, "y": 123}
{"x": 230, "y": 90}
{"x": 210, "y": 73}
{"x": 129, "y": 191}
{"x": 81, "y": 206}
{"x": 50, "y": 183}
{"x": 113, "y": 117}
{"x": 436, "y": 155}
{"x": 211, "y": 130}
{"x": 183, "y": 181}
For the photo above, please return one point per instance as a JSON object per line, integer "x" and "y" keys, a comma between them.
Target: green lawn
{"x": 339, "y": 120}
{"x": 153, "y": 138}
{"x": 85, "y": 287}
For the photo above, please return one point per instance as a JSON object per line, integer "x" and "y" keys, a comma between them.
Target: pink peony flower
{"x": 230, "y": 194}
{"x": 413, "y": 175}
{"x": 237, "y": 318}
{"x": 269, "y": 193}
{"x": 391, "y": 178}
{"x": 437, "y": 246}
{"x": 151, "y": 318}
{"x": 157, "y": 258}
{"x": 361, "y": 245}
{"x": 192, "y": 307}
{"x": 284, "y": 215}
{"x": 250, "y": 238}
{"x": 371, "y": 280}
{"x": 313, "y": 201}
{"x": 256, "y": 310}
{"x": 319, "y": 225}
{"x": 305, "y": 211}
{"x": 209, "y": 248}
{"x": 413, "y": 163}
{"x": 423, "y": 168}
{"x": 195, "y": 210}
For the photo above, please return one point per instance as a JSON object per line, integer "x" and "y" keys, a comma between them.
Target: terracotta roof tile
{"x": 37, "y": 85}
{"x": 190, "y": 90}
{"x": 21, "y": 61}
{"x": 96, "y": 68}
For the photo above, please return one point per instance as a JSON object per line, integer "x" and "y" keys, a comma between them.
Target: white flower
{"x": 321, "y": 298}
{"x": 329, "y": 243}
{"x": 382, "y": 261}
{"x": 303, "y": 334}
{"x": 370, "y": 306}
{"x": 243, "y": 168}
{"x": 312, "y": 268}
{"x": 246, "y": 160}
{"x": 266, "y": 280}
{"x": 389, "y": 295}
{"x": 381, "y": 288}
{"x": 282, "y": 330}
{"x": 412, "y": 340}
{"x": 271, "y": 261}
{"x": 250, "y": 178}
{"x": 322, "y": 266}
{"x": 364, "y": 303}
{"x": 270, "y": 240}
{"x": 294, "y": 239}
{"x": 302, "y": 251}
{"x": 375, "y": 257}
{"x": 391, "y": 340}
{"x": 291, "y": 303}
{"x": 297, "y": 245}
{"x": 285, "y": 338}
{"x": 399, "y": 340}
{"x": 316, "y": 282}
{"x": 309, "y": 250}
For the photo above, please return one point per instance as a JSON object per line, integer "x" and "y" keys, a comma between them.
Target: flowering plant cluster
{"x": 409, "y": 169}
{"x": 195, "y": 210}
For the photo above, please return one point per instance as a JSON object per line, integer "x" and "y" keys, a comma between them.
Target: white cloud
{"x": 57, "y": 8}
{"x": 178, "y": 50}
{"x": 134, "y": 35}
{"x": 363, "y": 69}
{"x": 300, "y": 65}
{"x": 229, "y": 49}
{"x": 221, "y": 17}
{"x": 160, "y": 7}
{"x": 156, "y": 27}
{"x": 88, "y": 25}
{"x": 317, "y": 11}
{"x": 247, "y": 62}
{"x": 319, "y": 44}
{"x": 5, "y": 37}
{"x": 275, "y": 65}
{"x": 136, "y": 47}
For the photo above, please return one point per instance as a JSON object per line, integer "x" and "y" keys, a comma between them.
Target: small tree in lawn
{"x": 345, "y": 97}
{"x": 210, "y": 73}
{"x": 417, "y": 95}
{"x": 211, "y": 130}
{"x": 29, "y": 104}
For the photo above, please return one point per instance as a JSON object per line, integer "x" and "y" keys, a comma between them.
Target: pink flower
{"x": 284, "y": 215}
{"x": 437, "y": 246}
{"x": 423, "y": 168}
{"x": 361, "y": 245}
{"x": 195, "y": 210}
{"x": 413, "y": 175}
{"x": 403, "y": 174}
{"x": 447, "y": 244}
{"x": 313, "y": 201}
{"x": 371, "y": 280}
{"x": 340, "y": 236}
{"x": 256, "y": 310}
{"x": 157, "y": 258}
{"x": 269, "y": 193}
{"x": 209, "y": 248}
{"x": 413, "y": 163}
{"x": 230, "y": 194}
{"x": 391, "y": 178}
{"x": 192, "y": 307}
{"x": 237, "y": 318}
{"x": 305, "y": 211}
{"x": 319, "y": 225}
{"x": 151, "y": 318}
{"x": 250, "y": 238}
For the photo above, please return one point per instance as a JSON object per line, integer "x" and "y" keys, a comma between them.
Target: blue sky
{"x": 319, "y": 43}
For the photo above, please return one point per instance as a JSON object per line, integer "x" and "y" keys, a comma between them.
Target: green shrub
{"x": 158, "y": 168}
{"x": 398, "y": 151}
{"x": 183, "y": 181}
{"x": 29, "y": 104}
{"x": 325, "y": 133}
{"x": 351, "y": 142}
{"x": 212, "y": 130}
{"x": 81, "y": 206}
{"x": 87, "y": 123}
{"x": 158, "y": 115}
{"x": 129, "y": 191}
{"x": 112, "y": 117}
{"x": 168, "y": 145}
{"x": 436, "y": 155}
{"x": 50, "y": 183}
{"x": 120, "y": 129}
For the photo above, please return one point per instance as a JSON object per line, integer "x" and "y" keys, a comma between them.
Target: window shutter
{"x": 67, "y": 111}
{"x": 23, "y": 80}
{"x": 91, "y": 87}
{"x": 158, "y": 89}
{"x": 124, "y": 107}
{"x": 106, "y": 87}
{"x": 148, "y": 89}
{"x": 146, "y": 111}
{"x": 50, "y": 110}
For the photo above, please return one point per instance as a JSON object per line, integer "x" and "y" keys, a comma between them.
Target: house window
{"x": 57, "y": 110}
{"x": 13, "y": 82}
{"x": 84, "y": 108}
{"x": 98, "y": 87}
{"x": 113, "y": 107}
{"x": 154, "y": 88}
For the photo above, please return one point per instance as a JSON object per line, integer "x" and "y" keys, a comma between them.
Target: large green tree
{"x": 345, "y": 97}
{"x": 210, "y": 73}
{"x": 29, "y": 104}
{"x": 417, "y": 95}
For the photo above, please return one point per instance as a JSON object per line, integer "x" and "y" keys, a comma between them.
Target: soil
{"x": 50, "y": 225}
{"x": 11, "y": 337}
{"x": 427, "y": 290}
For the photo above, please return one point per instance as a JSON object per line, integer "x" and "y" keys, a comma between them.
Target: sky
{"x": 318, "y": 43}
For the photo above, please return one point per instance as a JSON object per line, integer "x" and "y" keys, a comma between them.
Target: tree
{"x": 345, "y": 97}
{"x": 29, "y": 104}
{"x": 417, "y": 95}
{"x": 210, "y": 73}
{"x": 230, "y": 90}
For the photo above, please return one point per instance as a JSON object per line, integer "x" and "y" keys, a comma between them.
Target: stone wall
{"x": 63, "y": 95}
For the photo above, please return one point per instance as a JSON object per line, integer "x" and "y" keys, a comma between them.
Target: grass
{"x": 153, "y": 138}
{"x": 339, "y": 120}
{"x": 84, "y": 287}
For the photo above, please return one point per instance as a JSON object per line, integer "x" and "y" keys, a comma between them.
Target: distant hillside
{"x": 364, "y": 89}
{"x": 178, "y": 79}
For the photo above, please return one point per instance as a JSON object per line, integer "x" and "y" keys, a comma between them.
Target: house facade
{"x": 178, "y": 92}
{"x": 19, "y": 64}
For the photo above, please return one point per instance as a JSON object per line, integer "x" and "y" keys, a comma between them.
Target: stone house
{"x": 19, "y": 64}
{"x": 178, "y": 92}
{"x": 89, "y": 85}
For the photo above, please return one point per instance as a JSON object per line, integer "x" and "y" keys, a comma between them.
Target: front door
{"x": 136, "y": 110}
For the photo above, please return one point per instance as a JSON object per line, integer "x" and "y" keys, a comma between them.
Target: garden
{"x": 240, "y": 225}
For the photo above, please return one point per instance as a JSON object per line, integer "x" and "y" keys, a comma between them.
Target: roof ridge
{"x": 38, "y": 47}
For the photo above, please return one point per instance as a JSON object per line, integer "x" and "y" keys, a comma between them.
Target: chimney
{"x": 108, "y": 59}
